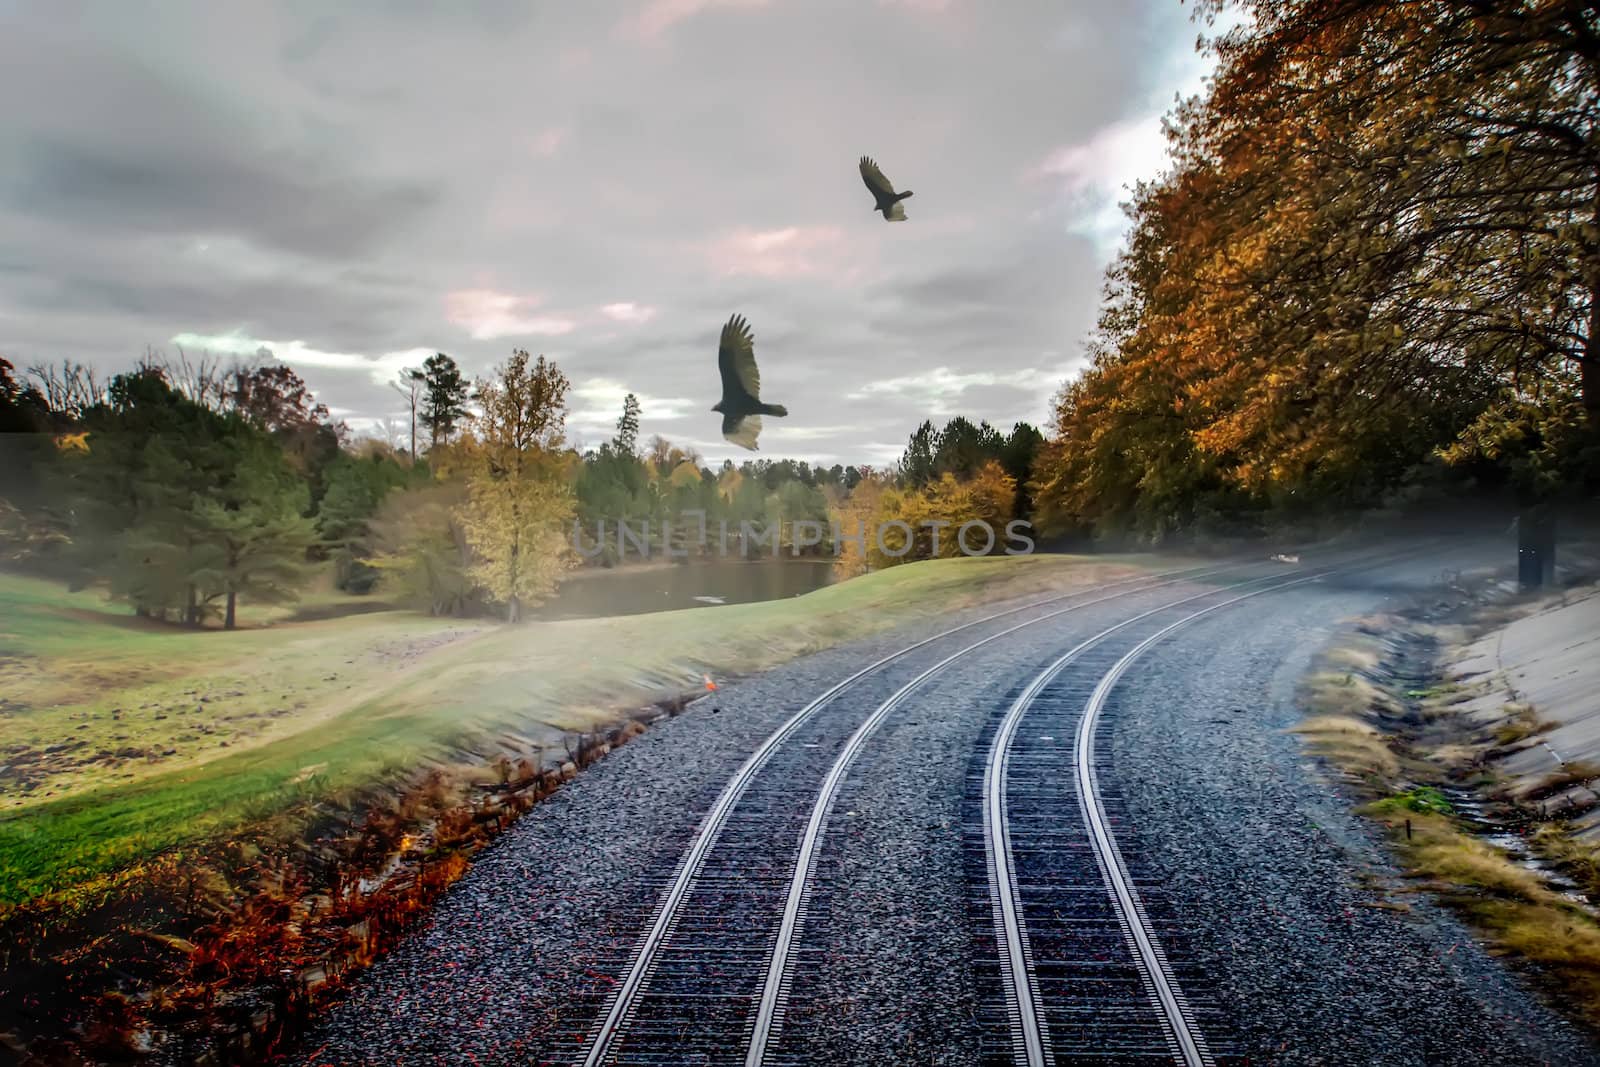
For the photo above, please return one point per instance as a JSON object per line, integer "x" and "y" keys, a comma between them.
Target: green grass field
{"x": 122, "y": 739}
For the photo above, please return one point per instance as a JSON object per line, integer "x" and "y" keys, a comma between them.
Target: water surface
{"x": 635, "y": 590}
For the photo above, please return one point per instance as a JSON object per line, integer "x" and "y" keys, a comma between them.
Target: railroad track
{"x": 1083, "y": 976}
{"x": 708, "y": 980}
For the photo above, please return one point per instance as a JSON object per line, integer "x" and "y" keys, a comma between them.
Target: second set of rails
{"x": 709, "y": 979}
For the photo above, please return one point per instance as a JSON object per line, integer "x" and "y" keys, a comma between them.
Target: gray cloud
{"x": 350, "y": 185}
{"x": 116, "y": 148}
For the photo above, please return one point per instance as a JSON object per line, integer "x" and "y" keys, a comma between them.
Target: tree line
{"x": 963, "y": 472}
{"x": 184, "y": 488}
{"x": 1372, "y": 274}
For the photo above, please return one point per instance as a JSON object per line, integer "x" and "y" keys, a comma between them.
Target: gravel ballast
{"x": 1260, "y": 862}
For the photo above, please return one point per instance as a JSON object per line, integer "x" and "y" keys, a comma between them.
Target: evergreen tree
{"x": 962, "y": 448}
{"x": 151, "y": 454}
{"x": 356, "y": 488}
{"x": 1016, "y": 459}
{"x": 253, "y": 535}
{"x": 917, "y": 464}
{"x": 627, "y": 440}
{"x": 444, "y": 398}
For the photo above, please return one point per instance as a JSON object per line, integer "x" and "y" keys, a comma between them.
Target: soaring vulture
{"x": 886, "y": 199}
{"x": 741, "y": 404}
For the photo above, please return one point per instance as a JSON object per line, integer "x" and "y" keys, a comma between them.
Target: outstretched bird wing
{"x": 875, "y": 180}
{"x": 742, "y": 430}
{"x": 736, "y": 359}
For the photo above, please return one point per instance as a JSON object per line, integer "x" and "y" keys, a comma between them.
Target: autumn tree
{"x": 1381, "y": 231}
{"x": 520, "y": 499}
{"x": 22, "y": 406}
{"x": 858, "y": 514}
{"x": 272, "y": 396}
{"x": 418, "y": 546}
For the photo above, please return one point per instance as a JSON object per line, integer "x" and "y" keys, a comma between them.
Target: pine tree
{"x": 917, "y": 465}
{"x": 252, "y": 533}
{"x": 444, "y": 398}
{"x": 627, "y": 439}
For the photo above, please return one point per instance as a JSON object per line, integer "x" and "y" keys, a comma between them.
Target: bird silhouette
{"x": 741, "y": 404}
{"x": 886, "y": 199}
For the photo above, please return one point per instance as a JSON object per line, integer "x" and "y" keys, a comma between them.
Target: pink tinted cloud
{"x": 627, "y": 311}
{"x": 931, "y": 6}
{"x": 781, "y": 253}
{"x": 548, "y": 142}
{"x": 486, "y": 315}
{"x": 658, "y": 16}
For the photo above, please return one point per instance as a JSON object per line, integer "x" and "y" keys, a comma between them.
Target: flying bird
{"x": 887, "y": 200}
{"x": 741, "y": 404}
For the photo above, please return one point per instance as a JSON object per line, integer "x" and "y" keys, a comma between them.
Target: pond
{"x": 668, "y": 586}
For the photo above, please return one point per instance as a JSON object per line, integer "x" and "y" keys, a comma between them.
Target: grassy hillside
{"x": 125, "y": 739}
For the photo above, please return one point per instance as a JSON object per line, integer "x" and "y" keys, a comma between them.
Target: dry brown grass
{"x": 1576, "y": 858}
{"x": 1521, "y": 723}
{"x": 1512, "y": 906}
{"x": 1354, "y": 746}
{"x": 1573, "y": 773}
{"x": 1440, "y": 851}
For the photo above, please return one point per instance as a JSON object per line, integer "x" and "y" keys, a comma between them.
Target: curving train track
{"x": 1049, "y": 882}
{"x": 709, "y": 979}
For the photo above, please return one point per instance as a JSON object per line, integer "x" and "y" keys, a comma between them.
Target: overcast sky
{"x": 355, "y": 186}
